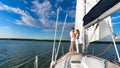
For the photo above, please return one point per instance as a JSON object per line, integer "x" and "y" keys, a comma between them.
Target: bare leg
{"x": 71, "y": 49}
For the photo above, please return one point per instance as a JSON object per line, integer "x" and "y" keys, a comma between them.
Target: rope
{"x": 88, "y": 42}
{"x": 118, "y": 37}
{"x": 61, "y": 37}
{"x": 93, "y": 32}
{"x": 63, "y": 59}
{"x": 55, "y": 36}
{"x": 104, "y": 51}
{"x": 60, "y": 60}
{"x": 116, "y": 48}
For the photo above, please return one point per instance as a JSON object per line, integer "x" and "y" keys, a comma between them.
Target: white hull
{"x": 80, "y": 61}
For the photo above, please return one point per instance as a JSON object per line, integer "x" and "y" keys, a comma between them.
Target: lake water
{"x": 21, "y": 54}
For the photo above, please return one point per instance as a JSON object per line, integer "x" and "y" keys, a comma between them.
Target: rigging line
{"x": 115, "y": 46}
{"x": 55, "y": 36}
{"x": 59, "y": 61}
{"x": 61, "y": 37}
{"x": 113, "y": 39}
{"x": 116, "y": 49}
{"x": 93, "y": 33}
{"x": 116, "y": 36}
{"x": 64, "y": 58}
{"x": 92, "y": 36}
{"x": 104, "y": 51}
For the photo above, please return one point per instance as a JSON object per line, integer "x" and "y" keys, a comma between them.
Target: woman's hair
{"x": 73, "y": 28}
{"x": 78, "y": 31}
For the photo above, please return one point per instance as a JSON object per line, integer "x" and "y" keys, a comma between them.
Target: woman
{"x": 77, "y": 40}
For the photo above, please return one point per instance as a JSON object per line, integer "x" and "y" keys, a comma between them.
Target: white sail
{"x": 105, "y": 28}
{"x": 79, "y": 16}
{"x": 89, "y": 4}
{"x": 83, "y": 8}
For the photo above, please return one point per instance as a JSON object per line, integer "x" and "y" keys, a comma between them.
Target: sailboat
{"x": 94, "y": 22}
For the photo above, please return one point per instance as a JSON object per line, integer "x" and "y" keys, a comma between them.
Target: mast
{"x": 82, "y": 8}
{"x": 84, "y": 46}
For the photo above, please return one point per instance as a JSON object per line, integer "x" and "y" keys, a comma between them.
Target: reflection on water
{"x": 22, "y": 53}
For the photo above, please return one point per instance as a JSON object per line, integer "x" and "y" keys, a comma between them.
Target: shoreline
{"x": 49, "y": 40}
{"x": 22, "y": 39}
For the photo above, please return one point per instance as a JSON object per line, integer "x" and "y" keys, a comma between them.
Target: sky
{"x": 35, "y": 19}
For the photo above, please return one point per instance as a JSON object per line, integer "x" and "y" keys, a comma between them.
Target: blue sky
{"x": 35, "y": 19}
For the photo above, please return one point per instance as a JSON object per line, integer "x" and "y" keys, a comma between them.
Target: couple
{"x": 74, "y": 39}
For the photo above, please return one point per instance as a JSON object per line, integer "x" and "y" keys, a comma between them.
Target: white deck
{"x": 78, "y": 61}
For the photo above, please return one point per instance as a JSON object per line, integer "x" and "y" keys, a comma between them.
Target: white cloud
{"x": 117, "y": 17}
{"x": 25, "y": 18}
{"x": 18, "y": 22}
{"x": 6, "y": 27}
{"x": 59, "y": 0}
{"x": 45, "y": 22}
{"x": 74, "y": 1}
{"x": 116, "y": 23}
{"x": 49, "y": 30}
{"x": 42, "y": 9}
{"x": 67, "y": 28}
{"x": 15, "y": 10}
{"x": 72, "y": 13}
{"x": 59, "y": 30}
{"x": 25, "y": 2}
{"x": 28, "y": 20}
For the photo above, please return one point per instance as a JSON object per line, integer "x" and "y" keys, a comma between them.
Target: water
{"x": 21, "y": 54}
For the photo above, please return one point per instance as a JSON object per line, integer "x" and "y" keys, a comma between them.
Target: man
{"x": 72, "y": 36}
